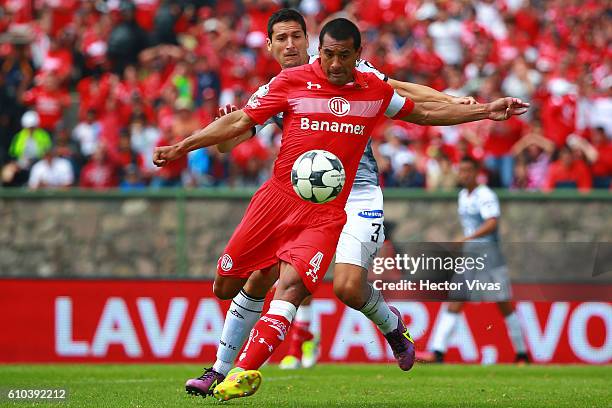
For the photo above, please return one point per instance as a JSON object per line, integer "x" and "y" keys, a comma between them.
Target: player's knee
{"x": 224, "y": 291}
{"x": 294, "y": 293}
{"x": 291, "y": 288}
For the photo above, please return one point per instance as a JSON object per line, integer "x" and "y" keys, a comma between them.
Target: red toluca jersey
{"x": 320, "y": 115}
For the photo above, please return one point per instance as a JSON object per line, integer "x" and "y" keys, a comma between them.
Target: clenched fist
{"x": 162, "y": 155}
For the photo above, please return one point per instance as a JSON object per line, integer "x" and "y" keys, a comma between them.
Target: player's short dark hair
{"x": 286, "y": 14}
{"x": 341, "y": 29}
{"x": 468, "y": 159}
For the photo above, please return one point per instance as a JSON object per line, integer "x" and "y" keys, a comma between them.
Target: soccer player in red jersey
{"x": 278, "y": 227}
{"x": 359, "y": 241}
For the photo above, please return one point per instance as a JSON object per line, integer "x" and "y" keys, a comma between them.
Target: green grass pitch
{"x": 142, "y": 386}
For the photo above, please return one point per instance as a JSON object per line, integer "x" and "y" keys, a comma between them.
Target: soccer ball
{"x": 318, "y": 176}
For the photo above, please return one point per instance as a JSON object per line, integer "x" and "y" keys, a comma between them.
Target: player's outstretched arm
{"x": 444, "y": 114}
{"x": 422, "y": 93}
{"x": 228, "y": 145}
{"x": 227, "y": 127}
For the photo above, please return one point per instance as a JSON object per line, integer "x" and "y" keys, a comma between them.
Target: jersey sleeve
{"x": 488, "y": 204}
{"x": 269, "y": 99}
{"x": 259, "y": 128}
{"x": 399, "y": 106}
{"x": 366, "y": 66}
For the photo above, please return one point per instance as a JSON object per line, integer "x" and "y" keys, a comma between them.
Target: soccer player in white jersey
{"x": 479, "y": 213}
{"x": 360, "y": 239}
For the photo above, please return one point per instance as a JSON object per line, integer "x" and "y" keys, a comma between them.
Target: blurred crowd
{"x": 88, "y": 88}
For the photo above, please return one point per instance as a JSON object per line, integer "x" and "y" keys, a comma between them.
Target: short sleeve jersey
{"x": 367, "y": 172}
{"x": 321, "y": 115}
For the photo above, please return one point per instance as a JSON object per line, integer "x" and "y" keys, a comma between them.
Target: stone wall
{"x": 165, "y": 237}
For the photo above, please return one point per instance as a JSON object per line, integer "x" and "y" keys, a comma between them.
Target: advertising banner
{"x": 181, "y": 321}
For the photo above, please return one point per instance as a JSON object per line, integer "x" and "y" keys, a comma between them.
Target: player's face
{"x": 466, "y": 174}
{"x": 338, "y": 59}
{"x": 289, "y": 44}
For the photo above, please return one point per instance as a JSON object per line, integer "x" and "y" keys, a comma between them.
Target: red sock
{"x": 268, "y": 333}
{"x": 299, "y": 334}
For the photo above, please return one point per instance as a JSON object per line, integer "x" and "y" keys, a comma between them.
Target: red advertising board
{"x": 180, "y": 321}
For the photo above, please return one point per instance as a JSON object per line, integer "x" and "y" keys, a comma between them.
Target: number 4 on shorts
{"x": 315, "y": 262}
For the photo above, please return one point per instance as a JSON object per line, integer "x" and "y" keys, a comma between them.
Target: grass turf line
{"x": 142, "y": 386}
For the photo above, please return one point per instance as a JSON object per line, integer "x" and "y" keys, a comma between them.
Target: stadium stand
{"x": 101, "y": 83}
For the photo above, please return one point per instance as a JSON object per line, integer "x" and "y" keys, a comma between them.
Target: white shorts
{"x": 363, "y": 234}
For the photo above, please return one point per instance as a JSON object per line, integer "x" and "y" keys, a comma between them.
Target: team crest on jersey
{"x": 253, "y": 101}
{"x": 260, "y": 93}
{"x": 226, "y": 262}
{"x": 339, "y": 106}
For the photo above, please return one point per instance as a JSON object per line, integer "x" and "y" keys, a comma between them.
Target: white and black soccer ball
{"x": 318, "y": 176}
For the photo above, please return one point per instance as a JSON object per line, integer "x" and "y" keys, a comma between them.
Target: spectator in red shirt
{"x": 93, "y": 45}
{"x": 58, "y": 59}
{"x": 130, "y": 86}
{"x": 94, "y": 91}
{"x": 559, "y": 111}
{"x": 110, "y": 122}
{"x": 145, "y": 13}
{"x": 427, "y": 63}
{"x": 548, "y": 49}
{"x": 49, "y": 101}
{"x": 527, "y": 21}
{"x": 62, "y": 13}
{"x": 251, "y": 159}
{"x": 171, "y": 174}
{"x": 498, "y": 156}
{"x": 18, "y": 11}
{"x": 568, "y": 172}
{"x": 123, "y": 155}
{"x": 99, "y": 172}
